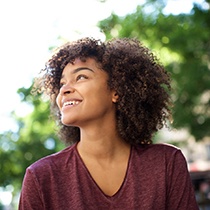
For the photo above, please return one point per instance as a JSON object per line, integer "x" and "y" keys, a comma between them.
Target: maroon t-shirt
{"x": 156, "y": 179}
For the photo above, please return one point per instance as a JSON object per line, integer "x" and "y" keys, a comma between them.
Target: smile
{"x": 70, "y": 103}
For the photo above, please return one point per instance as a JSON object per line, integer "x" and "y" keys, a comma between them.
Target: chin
{"x": 69, "y": 122}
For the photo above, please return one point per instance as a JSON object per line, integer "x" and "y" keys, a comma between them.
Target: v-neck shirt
{"x": 156, "y": 178}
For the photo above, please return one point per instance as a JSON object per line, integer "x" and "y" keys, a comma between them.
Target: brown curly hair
{"x": 141, "y": 83}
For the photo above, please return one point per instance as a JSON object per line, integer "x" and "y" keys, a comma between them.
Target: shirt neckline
{"x": 119, "y": 191}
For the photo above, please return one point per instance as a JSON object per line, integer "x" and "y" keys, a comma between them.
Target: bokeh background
{"x": 178, "y": 31}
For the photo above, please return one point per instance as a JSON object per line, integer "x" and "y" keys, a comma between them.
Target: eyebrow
{"x": 79, "y": 69}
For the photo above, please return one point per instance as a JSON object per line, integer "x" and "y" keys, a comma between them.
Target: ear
{"x": 115, "y": 97}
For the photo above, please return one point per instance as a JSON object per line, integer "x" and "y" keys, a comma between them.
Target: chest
{"x": 141, "y": 185}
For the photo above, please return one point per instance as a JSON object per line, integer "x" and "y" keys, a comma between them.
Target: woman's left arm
{"x": 180, "y": 192}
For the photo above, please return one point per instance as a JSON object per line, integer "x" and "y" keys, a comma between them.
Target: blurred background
{"x": 177, "y": 31}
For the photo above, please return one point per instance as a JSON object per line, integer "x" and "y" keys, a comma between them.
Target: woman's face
{"x": 84, "y": 98}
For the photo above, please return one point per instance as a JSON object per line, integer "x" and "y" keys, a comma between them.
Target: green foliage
{"x": 183, "y": 45}
{"x": 35, "y": 139}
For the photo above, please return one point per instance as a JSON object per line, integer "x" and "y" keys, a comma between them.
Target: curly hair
{"x": 141, "y": 82}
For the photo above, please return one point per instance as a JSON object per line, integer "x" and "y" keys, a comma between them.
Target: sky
{"x": 28, "y": 28}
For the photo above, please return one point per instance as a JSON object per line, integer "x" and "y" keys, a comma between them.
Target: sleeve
{"x": 180, "y": 192}
{"x": 30, "y": 197}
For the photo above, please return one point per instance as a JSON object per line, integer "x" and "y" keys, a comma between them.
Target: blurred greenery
{"x": 35, "y": 138}
{"x": 182, "y": 42}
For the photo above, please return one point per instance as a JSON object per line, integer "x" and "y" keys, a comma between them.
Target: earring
{"x": 115, "y": 99}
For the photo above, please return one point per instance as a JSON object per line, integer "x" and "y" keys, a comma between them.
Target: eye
{"x": 81, "y": 77}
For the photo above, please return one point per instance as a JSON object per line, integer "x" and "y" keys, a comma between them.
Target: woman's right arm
{"x": 31, "y": 197}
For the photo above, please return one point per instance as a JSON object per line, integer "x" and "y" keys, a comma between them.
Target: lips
{"x": 71, "y": 103}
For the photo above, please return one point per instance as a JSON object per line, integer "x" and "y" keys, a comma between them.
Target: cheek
{"x": 58, "y": 101}
{"x": 103, "y": 96}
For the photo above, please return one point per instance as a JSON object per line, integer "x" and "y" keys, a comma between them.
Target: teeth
{"x": 71, "y": 103}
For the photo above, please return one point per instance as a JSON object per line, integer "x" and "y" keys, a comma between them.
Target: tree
{"x": 183, "y": 44}
{"x": 35, "y": 138}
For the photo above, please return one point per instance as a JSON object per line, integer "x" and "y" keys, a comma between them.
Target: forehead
{"x": 88, "y": 64}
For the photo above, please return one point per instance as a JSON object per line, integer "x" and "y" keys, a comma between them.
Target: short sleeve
{"x": 30, "y": 198}
{"x": 180, "y": 193}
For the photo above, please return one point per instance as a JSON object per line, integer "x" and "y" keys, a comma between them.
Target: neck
{"x": 101, "y": 145}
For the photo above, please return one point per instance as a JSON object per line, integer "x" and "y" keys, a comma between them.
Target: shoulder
{"x": 161, "y": 148}
{"x": 161, "y": 158}
{"x": 55, "y": 160}
{"x": 162, "y": 152}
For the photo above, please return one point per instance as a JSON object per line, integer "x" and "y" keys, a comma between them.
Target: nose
{"x": 66, "y": 89}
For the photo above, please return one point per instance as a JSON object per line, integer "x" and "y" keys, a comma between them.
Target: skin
{"x": 103, "y": 152}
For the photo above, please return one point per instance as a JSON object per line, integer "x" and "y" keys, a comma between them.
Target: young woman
{"x": 109, "y": 98}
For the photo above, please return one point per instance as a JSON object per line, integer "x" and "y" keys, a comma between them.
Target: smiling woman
{"x": 108, "y": 98}
{"x": 84, "y": 87}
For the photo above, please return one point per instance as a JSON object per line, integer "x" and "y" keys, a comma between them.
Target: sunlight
{"x": 6, "y": 195}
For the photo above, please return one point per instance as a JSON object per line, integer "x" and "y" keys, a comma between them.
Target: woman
{"x": 109, "y": 99}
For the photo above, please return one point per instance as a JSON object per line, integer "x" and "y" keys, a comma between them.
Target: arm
{"x": 30, "y": 198}
{"x": 180, "y": 193}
